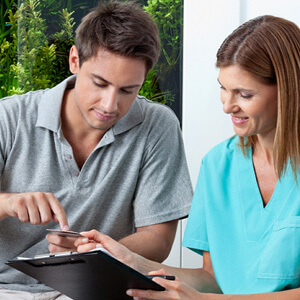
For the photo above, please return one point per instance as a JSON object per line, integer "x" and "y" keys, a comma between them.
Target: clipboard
{"x": 89, "y": 275}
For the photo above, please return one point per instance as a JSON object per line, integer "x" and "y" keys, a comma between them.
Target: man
{"x": 90, "y": 152}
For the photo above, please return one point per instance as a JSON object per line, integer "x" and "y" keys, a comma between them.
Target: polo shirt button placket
{"x": 69, "y": 156}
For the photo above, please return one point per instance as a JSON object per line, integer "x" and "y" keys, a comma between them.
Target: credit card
{"x": 66, "y": 233}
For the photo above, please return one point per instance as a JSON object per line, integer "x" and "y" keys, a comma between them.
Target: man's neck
{"x": 82, "y": 138}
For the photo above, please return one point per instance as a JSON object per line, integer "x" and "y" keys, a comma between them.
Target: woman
{"x": 245, "y": 216}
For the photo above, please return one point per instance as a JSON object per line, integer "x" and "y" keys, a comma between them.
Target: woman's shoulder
{"x": 223, "y": 150}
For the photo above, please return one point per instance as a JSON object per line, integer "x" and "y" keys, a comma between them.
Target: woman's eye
{"x": 246, "y": 96}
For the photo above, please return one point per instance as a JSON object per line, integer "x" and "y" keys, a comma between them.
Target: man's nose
{"x": 109, "y": 102}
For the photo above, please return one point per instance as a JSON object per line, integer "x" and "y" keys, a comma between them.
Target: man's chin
{"x": 102, "y": 127}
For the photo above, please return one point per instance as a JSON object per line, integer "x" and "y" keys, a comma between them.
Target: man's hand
{"x": 60, "y": 243}
{"x": 35, "y": 208}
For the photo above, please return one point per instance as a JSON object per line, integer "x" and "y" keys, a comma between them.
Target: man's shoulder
{"x": 152, "y": 105}
{"x": 24, "y": 100}
{"x": 156, "y": 111}
{"x": 35, "y": 96}
{"x": 19, "y": 110}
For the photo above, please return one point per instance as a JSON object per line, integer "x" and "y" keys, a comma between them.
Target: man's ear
{"x": 74, "y": 60}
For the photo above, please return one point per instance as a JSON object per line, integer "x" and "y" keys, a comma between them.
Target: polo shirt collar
{"x": 49, "y": 110}
{"x": 133, "y": 117}
{"x": 50, "y": 105}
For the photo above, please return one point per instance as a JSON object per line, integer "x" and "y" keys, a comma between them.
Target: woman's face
{"x": 251, "y": 104}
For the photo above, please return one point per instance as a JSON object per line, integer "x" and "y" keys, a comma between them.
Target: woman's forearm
{"x": 286, "y": 295}
{"x": 199, "y": 279}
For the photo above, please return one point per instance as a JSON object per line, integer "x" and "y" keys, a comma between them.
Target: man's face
{"x": 106, "y": 87}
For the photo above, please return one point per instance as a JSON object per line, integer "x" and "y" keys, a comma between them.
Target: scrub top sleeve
{"x": 195, "y": 235}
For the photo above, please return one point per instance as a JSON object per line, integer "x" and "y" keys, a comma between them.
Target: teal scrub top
{"x": 253, "y": 248}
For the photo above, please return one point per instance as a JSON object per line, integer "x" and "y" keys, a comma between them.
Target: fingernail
{"x": 85, "y": 240}
{"x": 99, "y": 246}
{"x": 66, "y": 227}
{"x": 129, "y": 292}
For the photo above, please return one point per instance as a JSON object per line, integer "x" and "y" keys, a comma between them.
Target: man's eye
{"x": 99, "y": 84}
{"x": 126, "y": 91}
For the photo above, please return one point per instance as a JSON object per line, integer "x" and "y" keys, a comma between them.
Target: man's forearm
{"x": 147, "y": 244}
{"x": 154, "y": 241}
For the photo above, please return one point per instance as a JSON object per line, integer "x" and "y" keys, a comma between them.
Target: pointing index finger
{"x": 59, "y": 214}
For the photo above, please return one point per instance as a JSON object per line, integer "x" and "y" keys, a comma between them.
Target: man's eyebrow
{"x": 100, "y": 78}
{"x": 108, "y": 82}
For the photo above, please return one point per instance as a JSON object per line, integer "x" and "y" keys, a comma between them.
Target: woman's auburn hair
{"x": 268, "y": 47}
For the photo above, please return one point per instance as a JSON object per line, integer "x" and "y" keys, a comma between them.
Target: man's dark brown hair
{"x": 123, "y": 28}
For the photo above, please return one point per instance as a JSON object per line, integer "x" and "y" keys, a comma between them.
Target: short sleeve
{"x": 195, "y": 235}
{"x": 7, "y": 126}
{"x": 2, "y": 139}
{"x": 164, "y": 190}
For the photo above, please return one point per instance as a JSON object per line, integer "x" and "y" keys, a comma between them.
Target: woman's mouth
{"x": 239, "y": 120}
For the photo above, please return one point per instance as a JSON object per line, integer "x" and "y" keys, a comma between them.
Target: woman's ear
{"x": 74, "y": 60}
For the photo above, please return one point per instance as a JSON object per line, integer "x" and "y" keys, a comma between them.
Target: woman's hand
{"x": 174, "y": 289}
{"x": 95, "y": 239}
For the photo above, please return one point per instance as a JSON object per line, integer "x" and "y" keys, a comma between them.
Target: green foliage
{"x": 8, "y": 49}
{"x": 27, "y": 60}
{"x": 168, "y": 16}
{"x": 151, "y": 90}
{"x": 35, "y": 39}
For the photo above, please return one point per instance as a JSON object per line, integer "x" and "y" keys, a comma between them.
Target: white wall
{"x": 288, "y": 9}
{"x": 206, "y": 24}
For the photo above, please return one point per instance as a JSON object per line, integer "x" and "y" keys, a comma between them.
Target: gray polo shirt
{"x": 136, "y": 176}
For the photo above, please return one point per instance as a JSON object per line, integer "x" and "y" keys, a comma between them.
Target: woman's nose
{"x": 229, "y": 104}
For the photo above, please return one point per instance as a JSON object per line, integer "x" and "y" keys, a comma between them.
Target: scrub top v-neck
{"x": 254, "y": 248}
